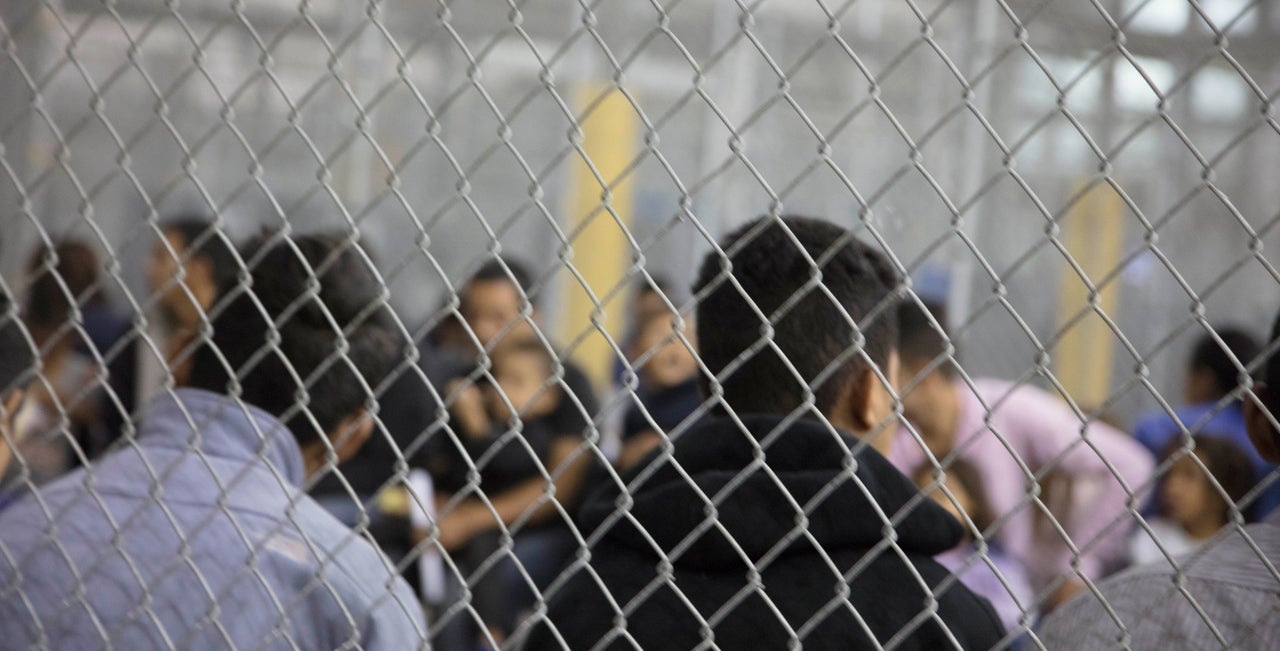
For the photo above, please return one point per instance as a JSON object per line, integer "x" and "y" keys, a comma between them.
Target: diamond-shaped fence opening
{"x": 397, "y": 324}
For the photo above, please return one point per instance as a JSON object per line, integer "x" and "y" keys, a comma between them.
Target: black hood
{"x": 805, "y": 459}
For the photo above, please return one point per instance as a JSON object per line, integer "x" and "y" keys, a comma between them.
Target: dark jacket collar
{"x": 806, "y": 458}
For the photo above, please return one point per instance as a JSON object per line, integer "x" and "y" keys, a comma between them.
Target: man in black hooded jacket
{"x": 775, "y": 523}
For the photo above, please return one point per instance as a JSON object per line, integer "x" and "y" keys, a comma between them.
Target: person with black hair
{"x": 667, "y": 393}
{"x": 497, "y": 320}
{"x": 1195, "y": 499}
{"x": 989, "y": 572}
{"x": 1211, "y": 377}
{"x": 765, "y": 527}
{"x": 17, "y": 369}
{"x": 648, "y": 302}
{"x": 1222, "y": 596}
{"x": 190, "y": 259}
{"x": 199, "y": 535}
{"x": 62, "y": 415}
{"x": 1005, "y": 429}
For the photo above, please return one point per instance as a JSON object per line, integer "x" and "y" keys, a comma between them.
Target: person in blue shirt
{"x": 1211, "y": 376}
{"x": 197, "y": 533}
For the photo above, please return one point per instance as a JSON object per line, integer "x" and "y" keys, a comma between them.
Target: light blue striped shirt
{"x": 1230, "y": 598}
{"x": 196, "y": 537}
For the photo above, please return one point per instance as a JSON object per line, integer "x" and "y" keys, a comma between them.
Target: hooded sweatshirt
{"x": 759, "y": 536}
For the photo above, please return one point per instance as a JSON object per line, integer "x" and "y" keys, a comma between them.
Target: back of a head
{"x": 202, "y": 239}
{"x": 335, "y": 332}
{"x": 813, "y": 333}
{"x": 919, "y": 342}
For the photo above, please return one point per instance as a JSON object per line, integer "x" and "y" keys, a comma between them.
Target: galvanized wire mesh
{"x": 1112, "y": 148}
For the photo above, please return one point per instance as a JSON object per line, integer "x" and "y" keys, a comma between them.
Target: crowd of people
{"x": 230, "y": 467}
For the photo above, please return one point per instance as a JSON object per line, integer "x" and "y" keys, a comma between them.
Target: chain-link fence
{"x": 1077, "y": 188}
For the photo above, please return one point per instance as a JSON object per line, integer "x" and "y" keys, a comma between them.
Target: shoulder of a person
{"x": 358, "y": 563}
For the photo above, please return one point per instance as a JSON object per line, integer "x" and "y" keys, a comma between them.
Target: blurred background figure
{"x": 187, "y": 263}
{"x": 970, "y": 499}
{"x": 1211, "y": 377}
{"x": 648, "y": 300}
{"x": 61, "y": 420}
{"x": 668, "y": 391}
{"x": 81, "y": 271}
{"x": 1195, "y": 498}
{"x": 545, "y": 432}
{"x": 1025, "y": 425}
{"x": 17, "y": 368}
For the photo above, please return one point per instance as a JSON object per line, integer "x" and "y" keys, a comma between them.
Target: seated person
{"x": 1005, "y": 585}
{"x": 516, "y": 433}
{"x": 668, "y": 391}
{"x": 1192, "y": 509}
{"x": 1211, "y": 377}
{"x": 17, "y": 370}
{"x": 1222, "y": 596}
{"x": 649, "y": 299}
{"x": 198, "y": 534}
{"x": 60, "y": 421}
{"x": 765, "y": 526}
{"x": 1025, "y": 425}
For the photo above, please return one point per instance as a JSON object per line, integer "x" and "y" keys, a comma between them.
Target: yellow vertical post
{"x": 600, "y": 250}
{"x": 1093, "y": 232}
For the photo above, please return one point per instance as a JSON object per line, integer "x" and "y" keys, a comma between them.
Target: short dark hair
{"x": 918, "y": 341}
{"x": 341, "y": 310}
{"x": 1226, "y": 462}
{"x": 494, "y": 270}
{"x": 47, "y": 306}
{"x": 530, "y": 346}
{"x": 773, "y": 271}
{"x": 80, "y": 269}
{"x": 17, "y": 359}
{"x": 202, "y": 239}
{"x": 1210, "y": 357}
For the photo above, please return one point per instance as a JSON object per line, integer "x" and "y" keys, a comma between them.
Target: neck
{"x": 881, "y": 439}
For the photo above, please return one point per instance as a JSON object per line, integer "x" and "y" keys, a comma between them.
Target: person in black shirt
{"x": 668, "y": 391}
{"x": 497, "y": 463}
{"x": 776, "y": 522}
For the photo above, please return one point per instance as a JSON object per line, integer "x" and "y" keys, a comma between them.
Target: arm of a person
{"x": 637, "y": 446}
{"x": 1048, "y": 431}
{"x": 531, "y": 499}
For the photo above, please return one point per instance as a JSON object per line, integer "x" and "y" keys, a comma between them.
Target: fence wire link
{"x": 1110, "y": 147}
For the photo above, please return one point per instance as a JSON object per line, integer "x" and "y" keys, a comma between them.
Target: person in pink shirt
{"x": 1017, "y": 436}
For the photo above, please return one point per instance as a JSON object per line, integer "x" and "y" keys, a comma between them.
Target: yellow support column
{"x": 1093, "y": 232}
{"x": 600, "y": 250}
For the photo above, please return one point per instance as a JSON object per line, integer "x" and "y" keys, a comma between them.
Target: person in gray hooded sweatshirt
{"x": 196, "y": 534}
{"x": 776, "y": 522}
